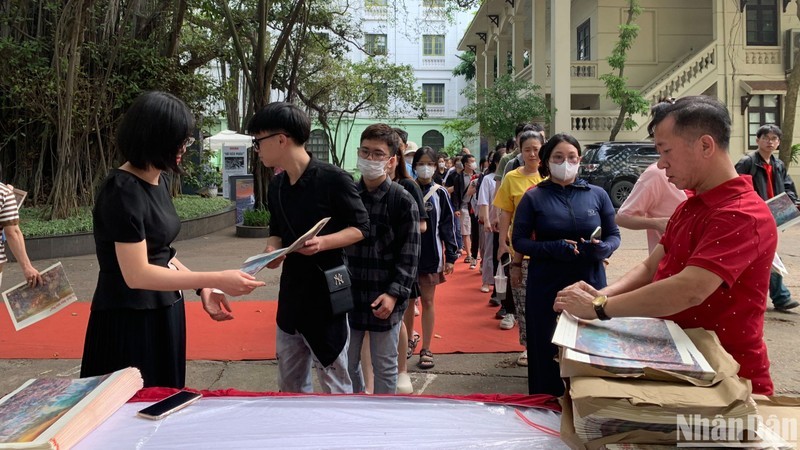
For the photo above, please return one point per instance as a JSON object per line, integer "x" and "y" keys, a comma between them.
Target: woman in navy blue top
{"x": 553, "y": 224}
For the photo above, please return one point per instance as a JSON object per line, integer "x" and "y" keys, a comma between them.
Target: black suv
{"x": 615, "y": 166}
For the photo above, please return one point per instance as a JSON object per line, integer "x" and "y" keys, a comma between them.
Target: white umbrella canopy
{"x": 228, "y": 137}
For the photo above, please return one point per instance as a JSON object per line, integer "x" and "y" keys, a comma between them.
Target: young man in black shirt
{"x": 308, "y": 333}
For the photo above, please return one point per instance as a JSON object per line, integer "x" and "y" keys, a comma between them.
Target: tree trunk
{"x": 66, "y": 61}
{"x": 790, "y": 107}
{"x": 623, "y": 106}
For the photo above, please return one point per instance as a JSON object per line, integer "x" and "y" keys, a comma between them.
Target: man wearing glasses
{"x": 309, "y": 334}
{"x": 711, "y": 267}
{"x": 770, "y": 179}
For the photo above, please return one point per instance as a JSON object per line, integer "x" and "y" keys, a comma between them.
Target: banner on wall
{"x": 234, "y": 162}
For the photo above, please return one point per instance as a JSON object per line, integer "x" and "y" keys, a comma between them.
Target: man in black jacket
{"x": 770, "y": 179}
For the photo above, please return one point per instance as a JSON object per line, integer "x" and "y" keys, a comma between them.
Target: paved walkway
{"x": 453, "y": 374}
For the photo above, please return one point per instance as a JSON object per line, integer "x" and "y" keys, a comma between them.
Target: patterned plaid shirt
{"x": 386, "y": 260}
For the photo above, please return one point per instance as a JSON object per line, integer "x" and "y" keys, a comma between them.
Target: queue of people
{"x": 397, "y": 233}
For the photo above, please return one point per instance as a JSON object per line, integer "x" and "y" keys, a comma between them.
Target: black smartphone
{"x": 169, "y": 405}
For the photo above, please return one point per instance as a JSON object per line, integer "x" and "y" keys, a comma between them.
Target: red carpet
{"x": 464, "y": 323}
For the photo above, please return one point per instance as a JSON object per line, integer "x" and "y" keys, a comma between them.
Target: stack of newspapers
{"x": 56, "y": 413}
{"x": 647, "y": 381}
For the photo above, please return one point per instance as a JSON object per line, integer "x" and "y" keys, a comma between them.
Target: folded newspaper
{"x": 257, "y": 263}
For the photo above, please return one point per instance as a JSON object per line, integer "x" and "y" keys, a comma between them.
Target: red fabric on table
{"x": 154, "y": 394}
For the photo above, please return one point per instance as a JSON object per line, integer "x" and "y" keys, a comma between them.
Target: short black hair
{"x": 511, "y": 145}
{"x": 530, "y": 134}
{"x": 547, "y": 150}
{"x": 402, "y": 133}
{"x": 383, "y": 133}
{"x": 425, "y": 151}
{"x": 466, "y": 157}
{"x": 527, "y": 126}
{"x": 499, "y": 146}
{"x": 769, "y": 128}
{"x": 153, "y": 131}
{"x": 284, "y": 117}
{"x": 695, "y": 116}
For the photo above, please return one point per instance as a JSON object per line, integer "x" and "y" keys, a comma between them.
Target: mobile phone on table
{"x": 596, "y": 233}
{"x": 169, "y": 405}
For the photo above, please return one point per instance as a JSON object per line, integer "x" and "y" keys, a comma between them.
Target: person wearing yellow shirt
{"x": 508, "y": 196}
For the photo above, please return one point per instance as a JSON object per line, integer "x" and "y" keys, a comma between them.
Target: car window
{"x": 590, "y": 153}
{"x": 647, "y": 151}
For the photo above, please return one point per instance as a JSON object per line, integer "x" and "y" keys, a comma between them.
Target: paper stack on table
{"x": 637, "y": 380}
{"x": 56, "y": 413}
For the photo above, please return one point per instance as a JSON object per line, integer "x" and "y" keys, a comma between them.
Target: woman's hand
{"x": 236, "y": 283}
{"x": 216, "y": 305}
{"x": 448, "y": 268}
{"x": 275, "y": 263}
{"x": 502, "y": 248}
{"x": 516, "y": 276}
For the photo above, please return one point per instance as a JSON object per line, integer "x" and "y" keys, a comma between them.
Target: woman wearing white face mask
{"x": 553, "y": 225}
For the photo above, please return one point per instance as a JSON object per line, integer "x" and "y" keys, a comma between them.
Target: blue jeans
{"x": 383, "y": 351}
{"x": 295, "y": 361}
{"x": 777, "y": 290}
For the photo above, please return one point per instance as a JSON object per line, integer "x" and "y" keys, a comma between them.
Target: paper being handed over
{"x": 256, "y": 263}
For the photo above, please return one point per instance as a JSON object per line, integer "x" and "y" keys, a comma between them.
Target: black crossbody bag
{"x": 337, "y": 278}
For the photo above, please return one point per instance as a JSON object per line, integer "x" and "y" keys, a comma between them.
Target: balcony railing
{"x": 435, "y": 62}
{"x": 376, "y": 12}
{"x": 579, "y": 69}
{"x": 691, "y": 70}
{"x": 592, "y": 120}
{"x": 762, "y": 56}
{"x": 435, "y": 110}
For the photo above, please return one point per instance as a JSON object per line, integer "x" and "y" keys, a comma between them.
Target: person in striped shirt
{"x": 9, "y": 226}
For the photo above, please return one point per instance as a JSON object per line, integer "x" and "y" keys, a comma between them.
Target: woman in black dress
{"x": 137, "y": 316}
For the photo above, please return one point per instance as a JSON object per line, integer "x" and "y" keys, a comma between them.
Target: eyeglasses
{"x": 770, "y": 138}
{"x": 558, "y": 159}
{"x": 375, "y": 155}
{"x": 256, "y": 142}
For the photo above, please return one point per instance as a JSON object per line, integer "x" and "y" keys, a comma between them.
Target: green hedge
{"x": 188, "y": 207}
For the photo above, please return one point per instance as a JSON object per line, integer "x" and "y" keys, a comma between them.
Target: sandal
{"x": 425, "y": 359}
{"x": 412, "y": 345}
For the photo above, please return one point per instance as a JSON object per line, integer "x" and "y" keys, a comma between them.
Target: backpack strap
{"x": 431, "y": 191}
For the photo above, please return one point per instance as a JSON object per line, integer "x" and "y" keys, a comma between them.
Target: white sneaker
{"x": 507, "y": 322}
{"x": 404, "y": 385}
{"x": 523, "y": 359}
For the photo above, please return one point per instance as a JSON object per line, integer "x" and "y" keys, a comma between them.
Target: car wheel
{"x": 620, "y": 191}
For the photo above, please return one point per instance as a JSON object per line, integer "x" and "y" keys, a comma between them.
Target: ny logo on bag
{"x": 339, "y": 279}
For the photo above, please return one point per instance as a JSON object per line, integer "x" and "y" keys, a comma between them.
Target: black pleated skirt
{"x": 152, "y": 340}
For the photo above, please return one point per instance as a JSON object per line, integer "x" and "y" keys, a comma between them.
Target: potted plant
{"x": 200, "y": 174}
{"x": 255, "y": 223}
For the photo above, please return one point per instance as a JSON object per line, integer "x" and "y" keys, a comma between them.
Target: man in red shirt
{"x": 711, "y": 267}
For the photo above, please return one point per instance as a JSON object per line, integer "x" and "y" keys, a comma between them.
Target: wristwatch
{"x": 599, "y": 304}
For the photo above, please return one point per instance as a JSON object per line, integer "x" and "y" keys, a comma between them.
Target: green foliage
{"x": 466, "y": 67}
{"x": 630, "y": 101}
{"x": 342, "y": 90}
{"x": 464, "y": 130}
{"x": 33, "y": 220}
{"x": 258, "y": 217}
{"x": 506, "y": 104}
{"x": 203, "y": 173}
{"x": 795, "y": 153}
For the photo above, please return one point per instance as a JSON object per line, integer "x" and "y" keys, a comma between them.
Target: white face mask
{"x": 371, "y": 170}
{"x": 473, "y": 165}
{"x": 442, "y": 165}
{"x": 565, "y": 171}
{"x": 425, "y": 172}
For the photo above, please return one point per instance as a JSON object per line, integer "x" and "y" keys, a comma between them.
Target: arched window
{"x": 433, "y": 139}
{"x": 318, "y": 145}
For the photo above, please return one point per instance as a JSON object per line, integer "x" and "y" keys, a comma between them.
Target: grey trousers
{"x": 383, "y": 351}
{"x": 295, "y": 360}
